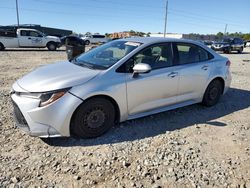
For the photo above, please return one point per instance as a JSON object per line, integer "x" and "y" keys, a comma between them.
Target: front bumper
{"x": 49, "y": 121}
{"x": 58, "y": 44}
{"x": 223, "y": 48}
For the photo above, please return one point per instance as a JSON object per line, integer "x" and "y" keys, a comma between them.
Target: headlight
{"x": 48, "y": 98}
{"x": 45, "y": 98}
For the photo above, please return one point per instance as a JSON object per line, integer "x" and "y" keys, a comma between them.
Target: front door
{"x": 30, "y": 39}
{"x": 157, "y": 88}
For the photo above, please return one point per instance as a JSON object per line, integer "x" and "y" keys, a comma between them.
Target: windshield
{"x": 106, "y": 55}
{"x": 228, "y": 40}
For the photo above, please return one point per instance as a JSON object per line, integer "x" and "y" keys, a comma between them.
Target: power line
{"x": 77, "y": 13}
{"x": 137, "y": 6}
{"x": 199, "y": 16}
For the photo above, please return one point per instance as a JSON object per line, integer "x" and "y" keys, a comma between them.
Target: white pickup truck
{"x": 28, "y": 38}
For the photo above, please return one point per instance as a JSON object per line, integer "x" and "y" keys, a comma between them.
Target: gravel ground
{"x": 193, "y": 146}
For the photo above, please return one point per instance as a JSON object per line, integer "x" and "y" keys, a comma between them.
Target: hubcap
{"x": 213, "y": 93}
{"x": 95, "y": 118}
{"x": 52, "y": 47}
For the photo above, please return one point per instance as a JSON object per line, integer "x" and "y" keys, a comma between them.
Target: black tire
{"x": 213, "y": 93}
{"x": 51, "y": 46}
{"x": 87, "y": 42}
{"x": 240, "y": 51}
{"x": 1, "y": 47}
{"x": 93, "y": 118}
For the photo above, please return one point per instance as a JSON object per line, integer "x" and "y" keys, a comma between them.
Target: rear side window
{"x": 7, "y": 33}
{"x": 25, "y": 33}
{"x": 189, "y": 53}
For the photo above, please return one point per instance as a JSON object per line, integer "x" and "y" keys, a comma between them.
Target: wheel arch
{"x": 2, "y": 45}
{"x": 220, "y": 79}
{"x": 50, "y": 42}
{"x": 103, "y": 96}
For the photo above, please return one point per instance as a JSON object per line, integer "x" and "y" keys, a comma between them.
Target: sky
{"x": 107, "y": 16}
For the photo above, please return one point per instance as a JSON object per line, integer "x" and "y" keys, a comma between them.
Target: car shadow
{"x": 234, "y": 53}
{"x": 154, "y": 125}
{"x": 32, "y": 50}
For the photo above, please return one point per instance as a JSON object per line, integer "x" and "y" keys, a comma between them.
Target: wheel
{"x": 93, "y": 118}
{"x": 1, "y": 47}
{"x": 87, "y": 42}
{"x": 241, "y": 50}
{"x": 51, "y": 46}
{"x": 212, "y": 93}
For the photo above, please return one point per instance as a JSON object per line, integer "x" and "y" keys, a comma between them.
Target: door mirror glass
{"x": 141, "y": 68}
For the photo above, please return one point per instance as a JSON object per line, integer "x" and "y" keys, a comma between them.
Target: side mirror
{"x": 141, "y": 68}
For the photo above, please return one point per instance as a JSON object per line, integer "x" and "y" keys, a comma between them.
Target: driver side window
{"x": 158, "y": 56}
{"x": 34, "y": 34}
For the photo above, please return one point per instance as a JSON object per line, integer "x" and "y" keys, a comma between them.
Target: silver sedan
{"x": 118, "y": 81}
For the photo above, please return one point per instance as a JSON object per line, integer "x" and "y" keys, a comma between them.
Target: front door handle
{"x": 205, "y": 67}
{"x": 29, "y": 38}
{"x": 172, "y": 74}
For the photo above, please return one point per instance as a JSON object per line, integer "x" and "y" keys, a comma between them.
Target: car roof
{"x": 149, "y": 40}
{"x": 154, "y": 40}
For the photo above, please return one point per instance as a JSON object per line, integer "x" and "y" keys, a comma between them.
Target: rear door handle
{"x": 205, "y": 67}
{"x": 172, "y": 74}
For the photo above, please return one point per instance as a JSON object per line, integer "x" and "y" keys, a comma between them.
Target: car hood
{"x": 53, "y": 38}
{"x": 55, "y": 76}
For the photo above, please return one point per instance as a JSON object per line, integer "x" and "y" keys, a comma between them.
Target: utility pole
{"x": 225, "y": 32}
{"x": 17, "y": 14}
{"x": 166, "y": 18}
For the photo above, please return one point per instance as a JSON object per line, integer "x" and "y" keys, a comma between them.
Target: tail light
{"x": 228, "y": 63}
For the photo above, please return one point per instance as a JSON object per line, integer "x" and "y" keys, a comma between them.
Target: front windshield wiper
{"x": 85, "y": 64}
{"x": 82, "y": 63}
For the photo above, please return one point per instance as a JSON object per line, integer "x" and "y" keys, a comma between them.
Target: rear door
{"x": 193, "y": 65}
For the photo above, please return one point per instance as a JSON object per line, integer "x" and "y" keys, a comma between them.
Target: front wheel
{"x": 212, "y": 93}
{"x": 93, "y": 118}
{"x": 1, "y": 47}
{"x": 240, "y": 50}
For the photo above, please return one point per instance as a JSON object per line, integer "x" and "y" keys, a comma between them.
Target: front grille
{"x": 18, "y": 116}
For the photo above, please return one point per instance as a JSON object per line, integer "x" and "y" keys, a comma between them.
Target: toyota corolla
{"x": 118, "y": 81}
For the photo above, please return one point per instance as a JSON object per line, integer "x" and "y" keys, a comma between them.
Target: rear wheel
{"x": 51, "y": 46}
{"x": 1, "y": 47}
{"x": 212, "y": 93}
{"x": 93, "y": 118}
